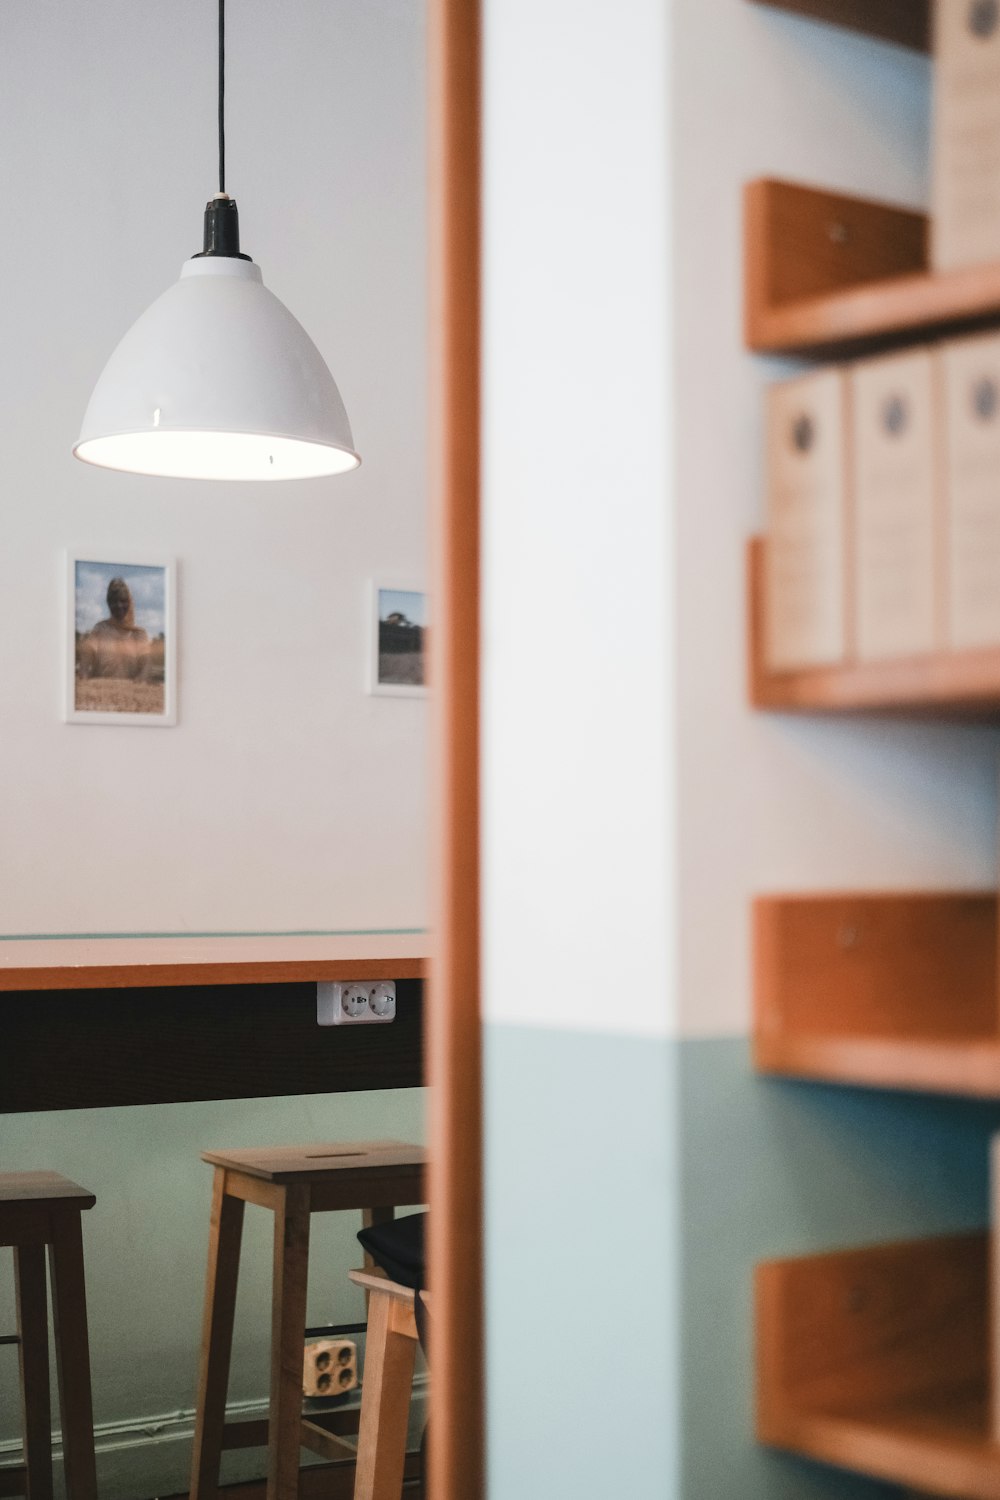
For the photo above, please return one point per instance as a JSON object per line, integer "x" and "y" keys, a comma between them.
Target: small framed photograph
{"x": 120, "y": 641}
{"x": 398, "y": 641}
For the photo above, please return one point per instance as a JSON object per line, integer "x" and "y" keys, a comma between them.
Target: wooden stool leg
{"x": 33, "y": 1331}
{"x": 224, "y": 1238}
{"x": 385, "y": 1405}
{"x": 69, "y": 1317}
{"x": 288, "y": 1324}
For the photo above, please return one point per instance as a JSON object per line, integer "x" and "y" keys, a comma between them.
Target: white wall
{"x": 622, "y": 477}
{"x": 285, "y": 797}
{"x": 769, "y": 803}
{"x": 578, "y": 760}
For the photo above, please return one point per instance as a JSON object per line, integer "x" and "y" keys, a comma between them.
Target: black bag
{"x": 398, "y": 1247}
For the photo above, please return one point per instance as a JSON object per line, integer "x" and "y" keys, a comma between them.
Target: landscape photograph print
{"x": 399, "y": 643}
{"x": 120, "y": 646}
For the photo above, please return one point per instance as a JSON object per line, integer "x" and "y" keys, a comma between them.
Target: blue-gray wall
{"x": 776, "y": 1168}
{"x": 582, "y": 1199}
{"x": 631, "y": 1187}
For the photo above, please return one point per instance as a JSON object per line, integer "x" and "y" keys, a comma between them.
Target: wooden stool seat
{"x": 294, "y": 1182}
{"x": 357, "y": 1174}
{"x": 388, "y": 1380}
{"x": 42, "y": 1187}
{"x": 41, "y": 1211}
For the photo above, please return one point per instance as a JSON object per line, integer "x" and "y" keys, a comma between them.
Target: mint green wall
{"x": 619, "y": 1282}
{"x": 145, "y": 1244}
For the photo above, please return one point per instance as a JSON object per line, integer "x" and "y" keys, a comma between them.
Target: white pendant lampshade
{"x": 217, "y": 380}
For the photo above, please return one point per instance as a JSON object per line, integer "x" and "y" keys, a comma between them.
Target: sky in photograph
{"x": 404, "y": 602}
{"x": 146, "y": 584}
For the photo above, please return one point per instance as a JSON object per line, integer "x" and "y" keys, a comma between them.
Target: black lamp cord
{"x": 222, "y": 221}
{"x": 222, "y": 96}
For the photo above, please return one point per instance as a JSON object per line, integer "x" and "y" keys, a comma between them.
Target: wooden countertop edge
{"x": 133, "y": 973}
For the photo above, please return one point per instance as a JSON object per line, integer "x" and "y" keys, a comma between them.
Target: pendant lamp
{"x": 217, "y": 380}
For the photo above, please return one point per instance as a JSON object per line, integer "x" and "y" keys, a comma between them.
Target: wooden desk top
{"x": 89, "y": 963}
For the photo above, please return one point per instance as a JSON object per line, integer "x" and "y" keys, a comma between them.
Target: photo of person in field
{"x": 120, "y": 616}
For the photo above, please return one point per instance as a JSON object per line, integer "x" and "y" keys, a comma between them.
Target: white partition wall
{"x": 635, "y": 1167}
{"x": 579, "y": 749}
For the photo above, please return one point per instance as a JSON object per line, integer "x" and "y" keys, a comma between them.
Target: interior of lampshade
{"x": 216, "y": 455}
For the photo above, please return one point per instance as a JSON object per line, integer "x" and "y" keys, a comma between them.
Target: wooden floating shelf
{"x": 883, "y": 991}
{"x": 906, "y": 22}
{"x": 877, "y": 1360}
{"x": 148, "y": 962}
{"x": 956, "y": 684}
{"x": 828, "y": 274}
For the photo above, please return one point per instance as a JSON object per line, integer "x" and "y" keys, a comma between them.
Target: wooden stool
{"x": 293, "y": 1182}
{"x": 39, "y": 1209}
{"x": 390, "y": 1347}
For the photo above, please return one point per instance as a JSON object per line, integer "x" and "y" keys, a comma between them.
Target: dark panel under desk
{"x": 72, "y": 1049}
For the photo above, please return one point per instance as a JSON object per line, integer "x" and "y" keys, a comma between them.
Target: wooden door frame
{"x": 452, "y": 1013}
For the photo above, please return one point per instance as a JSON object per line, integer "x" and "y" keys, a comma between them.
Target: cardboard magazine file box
{"x": 898, "y": 532}
{"x": 805, "y": 570}
{"x": 965, "y": 172}
{"x": 971, "y": 377}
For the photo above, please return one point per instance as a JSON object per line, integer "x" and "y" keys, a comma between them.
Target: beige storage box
{"x": 965, "y": 192}
{"x": 898, "y": 532}
{"x": 805, "y": 610}
{"x": 971, "y": 372}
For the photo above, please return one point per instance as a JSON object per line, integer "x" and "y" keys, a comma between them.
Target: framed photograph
{"x": 398, "y": 641}
{"x": 120, "y": 641}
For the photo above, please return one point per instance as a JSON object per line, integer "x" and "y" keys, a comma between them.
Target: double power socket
{"x": 363, "y": 1001}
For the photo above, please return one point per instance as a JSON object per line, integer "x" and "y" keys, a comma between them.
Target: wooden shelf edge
{"x": 938, "y": 1066}
{"x": 877, "y": 1360}
{"x": 892, "y": 1450}
{"x": 830, "y": 274}
{"x": 894, "y": 990}
{"x": 899, "y": 309}
{"x": 905, "y": 22}
{"x": 956, "y": 684}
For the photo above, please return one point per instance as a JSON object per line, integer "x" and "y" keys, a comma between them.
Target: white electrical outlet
{"x": 354, "y": 1004}
{"x": 382, "y": 1000}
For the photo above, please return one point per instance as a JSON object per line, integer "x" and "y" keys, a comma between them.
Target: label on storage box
{"x": 898, "y": 535}
{"x": 972, "y": 487}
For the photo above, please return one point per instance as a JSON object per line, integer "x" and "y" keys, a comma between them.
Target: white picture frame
{"x": 117, "y": 672}
{"x": 398, "y": 673}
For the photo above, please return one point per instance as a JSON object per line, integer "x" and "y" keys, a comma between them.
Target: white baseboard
{"x": 145, "y": 1457}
